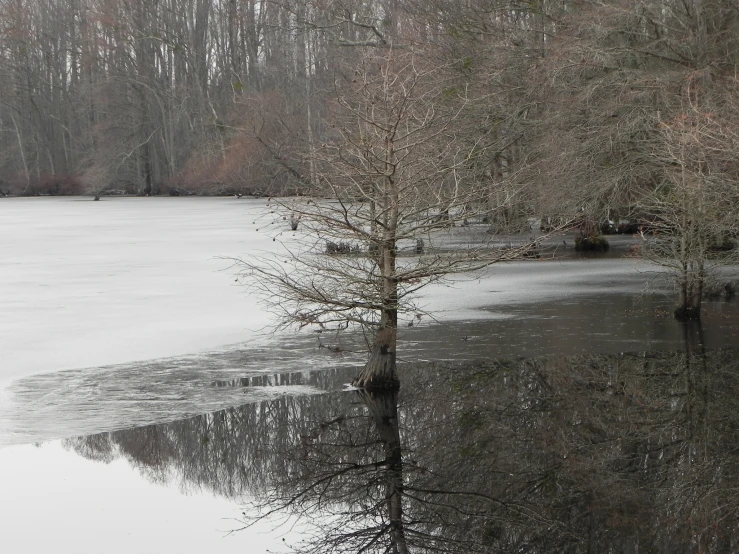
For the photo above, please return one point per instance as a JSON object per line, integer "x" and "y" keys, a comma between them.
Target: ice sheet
{"x": 88, "y": 284}
{"x": 92, "y": 283}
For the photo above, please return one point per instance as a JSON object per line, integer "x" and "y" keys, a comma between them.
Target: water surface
{"x": 143, "y": 408}
{"x": 630, "y": 452}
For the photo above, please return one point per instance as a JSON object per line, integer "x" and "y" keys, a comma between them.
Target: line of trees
{"x": 232, "y": 96}
{"x": 235, "y": 95}
{"x": 152, "y": 96}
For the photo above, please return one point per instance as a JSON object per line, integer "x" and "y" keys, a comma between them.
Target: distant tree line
{"x": 160, "y": 96}
{"x": 591, "y": 102}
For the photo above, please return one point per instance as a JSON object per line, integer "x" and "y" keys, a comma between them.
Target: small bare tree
{"x": 96, "y": 180}
{"x": 639, "y": 121}
{"x": 397, "y": 184}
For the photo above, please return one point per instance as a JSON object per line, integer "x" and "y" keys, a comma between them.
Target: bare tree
{"x": 396, "y": 179}
{"x": 96, "y": 180}
{"x": 693, "y": 221}
{"x": 627, "y": 90}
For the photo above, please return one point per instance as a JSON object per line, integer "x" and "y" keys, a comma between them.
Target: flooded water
{"x": 139, "y": 413}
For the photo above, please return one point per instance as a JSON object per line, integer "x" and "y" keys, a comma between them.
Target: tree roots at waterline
{"x": 687, "y": 313}
{"x": 381, "y": 371}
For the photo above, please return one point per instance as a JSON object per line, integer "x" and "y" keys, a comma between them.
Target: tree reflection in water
{"x": 629, "y": 453}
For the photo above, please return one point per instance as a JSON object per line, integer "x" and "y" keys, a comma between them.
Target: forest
{"x": 597, "y": 105}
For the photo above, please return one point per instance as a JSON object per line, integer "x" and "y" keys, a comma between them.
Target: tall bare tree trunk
{"x": 380, "y": 372}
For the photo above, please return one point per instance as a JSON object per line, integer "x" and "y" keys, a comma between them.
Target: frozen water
{"x": 88, "y": 283}
{"x": 123, "y": 312}
{"x": 476, "y": 296}
{"x": 94, "y": 283}
{"x": 90, "y": 400}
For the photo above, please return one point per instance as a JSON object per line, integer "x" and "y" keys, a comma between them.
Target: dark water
{"x": 85, "y": 401}
{"x": 631, "y": 452}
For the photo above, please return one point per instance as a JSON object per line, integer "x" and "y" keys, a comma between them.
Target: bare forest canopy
{"x": 597, "y": 106}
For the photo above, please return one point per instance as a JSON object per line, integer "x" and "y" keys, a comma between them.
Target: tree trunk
{"x": 691, "y": 293}
{"x": 381, "y": 370}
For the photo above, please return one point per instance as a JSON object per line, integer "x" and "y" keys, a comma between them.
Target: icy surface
{"x": 476, "y": 296}
{"x": 91, "y": 400}
{"x": 122, "y": 312}
{"x": 95, "y": 283}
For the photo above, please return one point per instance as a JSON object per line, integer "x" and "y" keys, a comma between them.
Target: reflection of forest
{"x": 626, "y": 453}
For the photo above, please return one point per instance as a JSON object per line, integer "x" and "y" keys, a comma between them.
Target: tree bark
{"x": 380, "y": 372}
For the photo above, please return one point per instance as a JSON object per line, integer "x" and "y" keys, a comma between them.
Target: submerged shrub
{"x": 341, "y": 247}
{"x": 594, "y": 243}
